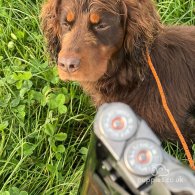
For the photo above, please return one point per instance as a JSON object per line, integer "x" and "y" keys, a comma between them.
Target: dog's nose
{"x": 69, "y": 64}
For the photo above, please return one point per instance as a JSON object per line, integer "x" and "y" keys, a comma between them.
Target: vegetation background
{"x": 44, "y": 123}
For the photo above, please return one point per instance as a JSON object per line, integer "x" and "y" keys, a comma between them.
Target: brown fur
{"x": 113, "y": 57}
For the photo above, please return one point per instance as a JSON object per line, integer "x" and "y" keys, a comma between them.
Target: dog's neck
{"x": 124, "y": 76}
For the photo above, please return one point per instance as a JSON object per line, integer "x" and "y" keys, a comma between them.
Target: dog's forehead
{"x": 91, "y": 5}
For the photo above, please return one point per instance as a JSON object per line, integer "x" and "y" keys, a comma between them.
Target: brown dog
{"x": 102, "y": 44}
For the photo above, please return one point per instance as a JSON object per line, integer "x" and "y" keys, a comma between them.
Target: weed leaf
{"x": 49, "y": 129}
{"x": 60, "y": 137}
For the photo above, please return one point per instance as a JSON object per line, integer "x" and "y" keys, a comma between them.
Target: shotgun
{"x": 125, "y": 157}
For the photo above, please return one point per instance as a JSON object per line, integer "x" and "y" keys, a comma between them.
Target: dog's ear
{"x": 142, "y": 22}
{"x": 50, "y": 26}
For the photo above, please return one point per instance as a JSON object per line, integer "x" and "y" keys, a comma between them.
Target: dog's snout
{"x": 69, "y": 64}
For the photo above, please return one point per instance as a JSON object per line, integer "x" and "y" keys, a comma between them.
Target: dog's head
{"x": 84, "y": 35}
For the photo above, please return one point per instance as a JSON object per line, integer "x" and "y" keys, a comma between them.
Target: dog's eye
{"x": 101, "y": 26}
{"x": 66, "y": 25}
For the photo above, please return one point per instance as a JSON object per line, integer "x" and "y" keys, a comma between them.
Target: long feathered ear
{"x": 142, "y": 24}
{"x": 50, "y": 26}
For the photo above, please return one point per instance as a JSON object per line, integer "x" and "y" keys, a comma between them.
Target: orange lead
{"x": 169, "y": 114}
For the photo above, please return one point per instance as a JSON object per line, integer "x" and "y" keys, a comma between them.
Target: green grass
{"x": 43, "y": 143}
